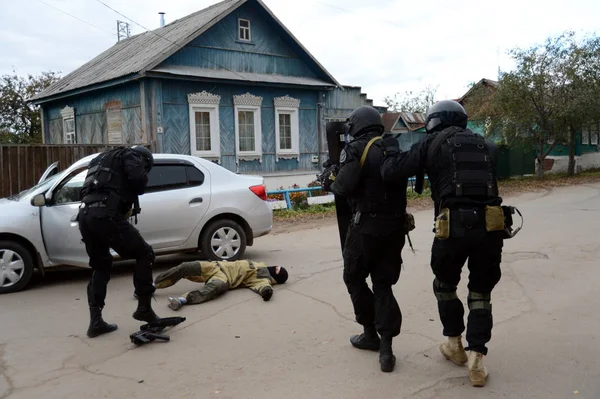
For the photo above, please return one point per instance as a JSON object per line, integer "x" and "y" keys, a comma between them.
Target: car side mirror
{"x": 38, "y": 200}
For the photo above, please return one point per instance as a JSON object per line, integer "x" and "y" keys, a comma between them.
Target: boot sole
{"x": 147, "y": 320}
{"x": 97, "y": 334}
{"x": 369, "y": 348}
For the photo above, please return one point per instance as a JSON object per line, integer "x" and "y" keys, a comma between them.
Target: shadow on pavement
{"x": 59, "y": 275}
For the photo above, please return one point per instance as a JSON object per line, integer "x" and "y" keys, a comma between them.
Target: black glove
{"x": 329, "y": 175}
{"x": 390, "y": 144}
{"x": 266, "y": 293}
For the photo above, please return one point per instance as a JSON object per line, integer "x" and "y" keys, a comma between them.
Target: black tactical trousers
{"x": 100, "y": 232}
{"x": 367, "y": 253}
{"x": 483, "y": 253}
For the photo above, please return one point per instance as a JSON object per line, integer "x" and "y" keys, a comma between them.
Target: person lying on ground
{"x": 220, "y": 277}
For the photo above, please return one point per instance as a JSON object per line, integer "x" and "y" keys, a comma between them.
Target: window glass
{"x": 246, "y": 131}
{"x": 69, "y": 190}
{"x": 194, "y": 176}
{"x": 166, "y": 177}
{"x": 285, "y": 131}
{"x": 202, "y": 131}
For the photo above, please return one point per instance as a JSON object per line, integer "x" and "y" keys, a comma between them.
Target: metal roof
{"x": 181, "y": 70}
{"x": 143, "y": 52}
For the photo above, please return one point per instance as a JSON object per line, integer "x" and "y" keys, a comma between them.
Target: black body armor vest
{"x": 104, "y": 176}
{"x": 462, "y": 165}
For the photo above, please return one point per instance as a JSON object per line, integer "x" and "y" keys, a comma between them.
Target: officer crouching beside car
{"x": 469, "y": 224}
{"x": 109, "y": 194}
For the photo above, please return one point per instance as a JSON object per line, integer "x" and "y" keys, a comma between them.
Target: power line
{"x": 164, "y": 38}
{"x": 73, "y": 16}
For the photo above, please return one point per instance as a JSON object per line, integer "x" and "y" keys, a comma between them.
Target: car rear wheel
{"x": 223, "y": 239}
{"x": 16, "y": 267}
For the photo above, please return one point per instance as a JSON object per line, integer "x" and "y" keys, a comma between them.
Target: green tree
{"x": 544, "y": 97}
{"x": 20, "y": 121}
{"x": 409, "y": 102}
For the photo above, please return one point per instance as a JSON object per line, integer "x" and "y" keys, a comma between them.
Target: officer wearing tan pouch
{"x": 470, "y": 224}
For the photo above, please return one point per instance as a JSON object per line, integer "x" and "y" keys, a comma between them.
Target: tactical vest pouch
{"x": 494, "y": 218}
{"x": 442, "y": 224}
{"x": 409, "y": 222}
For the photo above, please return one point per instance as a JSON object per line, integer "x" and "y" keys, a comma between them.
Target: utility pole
{"x": 123, "y": 31}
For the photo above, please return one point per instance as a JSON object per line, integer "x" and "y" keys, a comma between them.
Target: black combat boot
{"x": 97, "y": 325}
{"x": 367, "y": 340}
{"x": 386, "y": 356}
{"x": 144, "y": 310}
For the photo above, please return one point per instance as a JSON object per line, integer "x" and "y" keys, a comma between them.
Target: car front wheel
{"x": 16, "y": 267}
{"x": 223, "y": 240}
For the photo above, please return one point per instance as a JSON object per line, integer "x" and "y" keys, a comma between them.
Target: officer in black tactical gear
{"x": 375, "y": 237}
{"x": 109, "y": 196}
{"x": 469, "y": 224}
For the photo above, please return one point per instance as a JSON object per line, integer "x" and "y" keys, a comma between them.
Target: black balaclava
{"x": 281, "y": 277}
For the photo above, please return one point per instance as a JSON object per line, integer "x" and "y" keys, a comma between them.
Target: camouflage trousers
{"x": 215, "y": 285}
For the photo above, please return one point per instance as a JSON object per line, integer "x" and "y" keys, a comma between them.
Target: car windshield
{"x": 41, "y": 187}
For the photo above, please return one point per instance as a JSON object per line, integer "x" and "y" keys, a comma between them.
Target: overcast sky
{"x": 384, "y": 46}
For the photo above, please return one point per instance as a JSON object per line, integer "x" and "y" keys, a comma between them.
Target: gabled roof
{"x": 484, "y": 82}
{"x": 138, "y": 54}
{"x": 412, "y": 120}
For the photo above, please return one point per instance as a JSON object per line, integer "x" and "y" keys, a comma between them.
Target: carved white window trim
{"x": 205, "y": 102}
{"x": 291, "y": 106}
{"x": 68, "y": 114}
{"x": 248, "y": 102}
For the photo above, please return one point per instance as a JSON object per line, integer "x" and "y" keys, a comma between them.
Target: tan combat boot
{"x": 477, "y": 371}
{"x": 454, "y": 351}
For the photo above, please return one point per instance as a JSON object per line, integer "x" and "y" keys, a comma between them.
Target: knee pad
{"x": 478, "y": 300}
{"x": 443, "y": 291}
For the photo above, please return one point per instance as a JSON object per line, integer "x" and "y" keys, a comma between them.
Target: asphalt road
{"x": 545, "y": 340}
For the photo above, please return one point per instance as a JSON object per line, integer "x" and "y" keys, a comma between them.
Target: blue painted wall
{"x": 269, "y": 52}
{"x": 90, "y": 115}
{"x": 177, "y": 132}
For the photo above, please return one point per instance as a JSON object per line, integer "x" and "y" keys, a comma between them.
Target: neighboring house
{"x": 229, "y": 83}
{"x": 587, "y": 150}
{"x": 409, "y": 126}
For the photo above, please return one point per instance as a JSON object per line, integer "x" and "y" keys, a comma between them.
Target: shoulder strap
{"x": 437, "y": 142}
{"x": 366, "y": 150}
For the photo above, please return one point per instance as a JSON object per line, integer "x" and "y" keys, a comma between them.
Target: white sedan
{"x": 190, "y": 204}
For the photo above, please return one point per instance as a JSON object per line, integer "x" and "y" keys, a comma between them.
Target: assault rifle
{"x": 150, "y": 331}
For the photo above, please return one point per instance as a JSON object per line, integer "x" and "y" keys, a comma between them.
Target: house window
{"x": 247, "y": 132}
{"x": 248, "y": 129}
{"x": 285, "y": 131}
{"x": 204, "y": 125}
{"x": 244, "y": 30}
{"x": 594, "y": 134}
{"x": 287, "y": 127}
{"x": 68, "y": 120}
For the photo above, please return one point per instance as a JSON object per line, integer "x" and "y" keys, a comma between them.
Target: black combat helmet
{"x": 444, "y": 114}
{"x": 363, "y": 120}
{"x": 146, "y": 154}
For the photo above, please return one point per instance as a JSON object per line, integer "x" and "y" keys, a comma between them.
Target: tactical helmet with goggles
{"x": 444, "y": 114}
{"x": 146, "y": 154}
{"x": 363, "y": 120}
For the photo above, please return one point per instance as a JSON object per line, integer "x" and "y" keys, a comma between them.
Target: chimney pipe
{"x": 162, "y": 19}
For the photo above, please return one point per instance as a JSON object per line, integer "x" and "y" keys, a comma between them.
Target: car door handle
{"x": 196, "y": 200}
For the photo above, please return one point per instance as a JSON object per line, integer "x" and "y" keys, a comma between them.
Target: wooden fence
{"x": 23, "y": 165}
